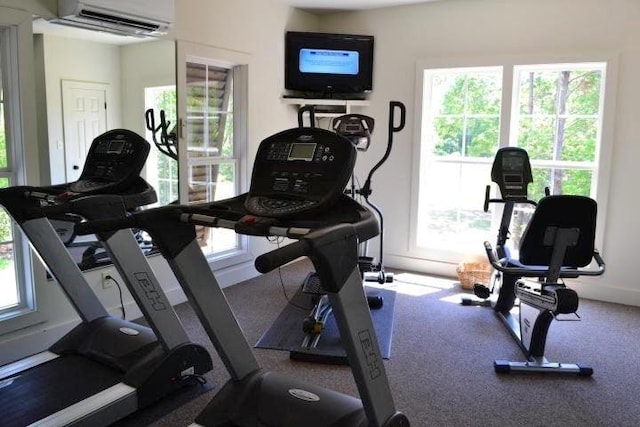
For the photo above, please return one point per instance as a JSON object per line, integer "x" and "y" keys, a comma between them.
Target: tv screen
{"x": 326, "y": 65}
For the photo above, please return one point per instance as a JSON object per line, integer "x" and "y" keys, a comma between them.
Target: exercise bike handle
{"x": 537, "y": 271}
{"x": 488, "y": 200}
{"x": 271, "y": 260}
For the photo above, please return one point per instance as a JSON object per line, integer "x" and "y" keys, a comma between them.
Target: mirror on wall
{"x": 91, "y": 82}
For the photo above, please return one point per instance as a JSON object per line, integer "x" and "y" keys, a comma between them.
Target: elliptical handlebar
{"x": 366, "y": 188}
{"x": 311, "y": 109}
{"x": 168, "y": 144}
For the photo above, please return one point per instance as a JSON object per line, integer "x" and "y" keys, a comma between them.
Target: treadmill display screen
{"x": 115, "y": 147}
{"x": 302, "y": 151}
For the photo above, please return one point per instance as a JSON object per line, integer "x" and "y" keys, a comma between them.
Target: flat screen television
{"x": 328, "y": 65}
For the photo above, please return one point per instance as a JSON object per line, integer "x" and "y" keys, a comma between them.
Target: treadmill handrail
{"x": 537, "y": 271}
{"x": 271, "y": 260}
{"x": 60, "y": 200}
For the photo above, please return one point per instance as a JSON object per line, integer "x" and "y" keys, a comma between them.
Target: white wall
{"x": 405, "y": 35}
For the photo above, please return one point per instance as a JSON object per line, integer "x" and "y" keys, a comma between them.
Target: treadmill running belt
{"x": 36, "y": 393}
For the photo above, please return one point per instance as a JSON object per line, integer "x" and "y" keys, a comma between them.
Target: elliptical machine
{"x": 167, "y": 143}
{"x": 357, "y": 129}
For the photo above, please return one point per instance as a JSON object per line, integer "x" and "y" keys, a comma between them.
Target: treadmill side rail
{"x": 96, "y": 410}
{"x": 26, "y": 363}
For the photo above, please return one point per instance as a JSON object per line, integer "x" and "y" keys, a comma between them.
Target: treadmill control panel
{"x": 114, "y": 161}
{"x": 298, "y": 170}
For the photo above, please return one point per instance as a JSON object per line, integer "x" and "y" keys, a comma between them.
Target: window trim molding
{"x": 23, "y": 156}
{"x": 508, "y": 62}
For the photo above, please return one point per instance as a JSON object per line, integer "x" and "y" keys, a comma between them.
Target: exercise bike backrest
{"x": 114, "y": 162}
{"x": 576, "y": 215}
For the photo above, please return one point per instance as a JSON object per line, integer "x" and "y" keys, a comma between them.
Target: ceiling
{"x": 315, "y": 6}
{"x": 326, "y": 6}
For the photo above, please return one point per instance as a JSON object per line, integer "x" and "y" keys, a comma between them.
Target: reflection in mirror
{"x": 160, "y": 102}
{"x": 93, "y": 82}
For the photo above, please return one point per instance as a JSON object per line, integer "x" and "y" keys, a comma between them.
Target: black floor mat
{"x": 286, "y": 333}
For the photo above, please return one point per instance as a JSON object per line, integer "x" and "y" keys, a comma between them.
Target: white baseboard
{"x": 595, "y": 288}
{"x": 418, "y": 265}
{"x": 599, "y": 289}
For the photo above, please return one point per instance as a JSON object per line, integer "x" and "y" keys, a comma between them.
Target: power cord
{"x": 109, "y": 277}
{"x": 276, "y": 240}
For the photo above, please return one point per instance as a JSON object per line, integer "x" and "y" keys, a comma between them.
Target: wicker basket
{"x": 471, "y": 273}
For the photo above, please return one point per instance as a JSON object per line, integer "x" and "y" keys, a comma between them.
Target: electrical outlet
{"x": 106, "y": 281}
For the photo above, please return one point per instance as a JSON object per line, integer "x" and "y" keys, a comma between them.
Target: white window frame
{"x": 239, "y": 63}
{"x": 19, "y": 97}
{"x": 602, "y": 172}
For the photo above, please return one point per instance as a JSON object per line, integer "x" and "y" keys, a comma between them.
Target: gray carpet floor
{"x": 441, "y": 365}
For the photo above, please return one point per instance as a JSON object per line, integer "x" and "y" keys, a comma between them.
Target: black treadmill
{"x": 105, "y": 368}
{"x": 297, "y": 192}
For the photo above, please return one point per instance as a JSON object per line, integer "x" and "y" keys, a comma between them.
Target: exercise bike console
{"x": 512, "y": 172}
{"x": 114, "y": 161}
{"x": 299, "y": 170}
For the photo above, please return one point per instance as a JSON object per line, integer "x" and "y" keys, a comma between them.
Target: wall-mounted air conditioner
{"x": 140, "y": 18}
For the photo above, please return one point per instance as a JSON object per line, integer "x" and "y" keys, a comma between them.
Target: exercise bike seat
{"x": 510, "y": 261}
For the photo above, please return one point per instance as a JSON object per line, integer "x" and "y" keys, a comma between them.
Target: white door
{"x": 84, "y": 112}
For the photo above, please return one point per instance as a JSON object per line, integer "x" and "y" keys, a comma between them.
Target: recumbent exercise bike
{"x": 558, "y": 243}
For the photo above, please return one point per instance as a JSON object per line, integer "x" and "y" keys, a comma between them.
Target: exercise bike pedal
{"x": 481, "y": 291}
{"x": 564, "y": 317}
{"x": 375, "y": 301}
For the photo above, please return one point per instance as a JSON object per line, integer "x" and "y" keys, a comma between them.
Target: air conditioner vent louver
{"x": 138, "y": 18}
{"x": 119, "y": 20}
